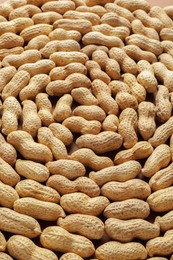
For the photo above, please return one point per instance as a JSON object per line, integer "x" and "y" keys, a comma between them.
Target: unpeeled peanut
{"x": 44, "y": 108}
{"x": 90, "y": 112}
{"x": 7, "y": 174}
{"x": 27, "y": 10}
{"x": 84, "y": 96}
{"x": 63, "y": 108}
{"x": 165, "y": 221}
{"x": 92, "y": 17}
{"x": 5, "y": 256}
{"x": 37, "y": 42}
{"x": 8, "y": 195}
{"x": 35, "y": 30}
{"x": 8, "y": 6}
{"x": 158, "y": 12}
{"x": 115, "y": 20}
{"x": 121, "y": 31}
{"x": 3, "y": 243}
{"x": 167, "y": 60}
{"x": 7, "y": 151}
{"x": 167, "y": 47}
{"x": 139, "y": 28}
{"x": 46, "y": 18}
{"x": 62, "y": 133}
{"x": 10, "y": 40}
{"x": 70, "y": 256}
{"x": 6, "y": 74}
{"x": 59, "y": 7}
{"x": 16, "y": 25}
{"x": 121, "y": 11}
{"x": 110, "y": 123}
{"x": 96, "y": 9}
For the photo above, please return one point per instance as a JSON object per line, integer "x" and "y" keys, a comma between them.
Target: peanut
{"x": 121, "y": 31}
{"x": 127, "y": 230}
{"x": 146, "y": 119}
{"x": 31, "y": 188}
{"x": 168, "y": 9}
{"x": 127, "y": 127}
{"x": 37, "y": 42}
{"x": 6, "y": 74}
{"x": 116, "y": 173}
{"x": 117, "y": 251}
{"x": 65, "y": 186}
{"x": 118, "y": 86}
{"x": 7, "y": 174}
{"x": 67, "y": 168}
{"x": 31, "y": 120}
{"x": 27, "y": 10}
{"x": 36, "y": 85}
{"x": 60, "y": 7}
{"x": 6, "y": 52}
{"x": 121, "y": 11}
{"x": 101, "y": 143}
{"x": 44, "y": 106}
{"x": 126, "y": 63}
{"x": 115, "y": 20}
{"x": 8, "y": 195}
{"x": 89, "y": 226}
{"x": 7, "y": 151}
{"x": 5, "y": 256}
{"x": 30, "y": 150}
{"x": 167, "y": 60}
{"x": 64, "y": 58}
{"x": 70, "y": 256}
{"x": 58, "y": 239}
{"x": 81, "y": 203}
{"x": 110, "y": 123}
{"x": 3, "y": 242}
{"x": 22, "y": 247}
{"x": 93, "y": 18}
{"x": 96, "y": 9}
{"x": 18, "y": 223}
{"x": 89, "y": 49}
{"x": 97, "y": 2}
{"x": 160, "y": 245}
{"x": 38, "y": 209}
{"x": 10, "y": 40}
{"x": 61, "y": 72}
{"x": 134, "y": 5}
{"x": 84, "y": 96}
{"x": 126, "y": 100}
{"x": 8, "y": 6}
{"x": 62, "y": 133}
{"x": 140, "y": 150}
{"x": 56, "y": 146}
{"x": 139, "y": 28}
{"x": 16, "y": 84}
{"x": 35, "y": 30}
{"x": 61, "y": 87}
{"x": 16, "y": 25}
{"x": 46, "y": 18}
{"x": 37, "y": 2}
{"x": 90, "y": 112}
{"x": 32, "y": 170}
{"x": 127, "y": 209}
{"x": 167, "y": 47}
{"x": 62, "y": 34}
{"x": 160, "y": 13}
{"x": 63, "y": 108}
{"x": 11, "y": 113}
{"x": 166, "y": 34}
{"x": 166, "y": 221}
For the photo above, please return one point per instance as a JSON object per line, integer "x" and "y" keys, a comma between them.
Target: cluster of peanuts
{"x": 86, "y": 141}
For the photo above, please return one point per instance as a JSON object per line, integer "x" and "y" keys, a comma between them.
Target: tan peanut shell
{"x": 158, "y": 12}
{"x": 110, "y": 123}
{"x": 89, "y": 49}
{"x": 22, "y": 247}
{"x": 165, "y": 221}
{"x": 6, "y": 74}
{"x": 163, "y": 74}
{"x": 70, "y": 256}
{"x": 92, "y": 17}
{"x": 115, "y": 20}
{"x": 89, "y": 226}
{"x": 7, "y": 151}
{"x": 63, "y": 58}
{"x": 125, "y": 100}
{"x": 3, "y": 243}
{"x": 47, "y": 17}
{"x": 62, "y": 34}
{"x": 34, "y": 189}
{"x": 127, "y": 230}
{"x": 121, "y": 31}
{"x": 35, "y": 30}
{"x": 95, "y": 71}
{"x": 60, "y": 6}
{"x": 97, "y": 9}
{"x": 167, "y": 60}
{"x": 5, "y": 256}
{"x": 44, "y": 107}
{"x": 139, "y": 28}
{"x": 62, "y": 133}
{"x": 119, "y": 251}
{"x": 121, "y": 11}
{"x": 32, "y": 170}
{"x": 83, "y": 96}
{"x": 90, "y": 112}
{"x": 37, "y": 42}
{"x": 27, "y": 10}
{"x": 122, "y": 172}
{"x": 63, "y": 108}
{"x": 58, "y": 239}
{"x": 11, "y": 40}
{"x": 81, "y": 203}
{"x": 18, "y": 223}
{"x": 8, "y": 195}
{"x": 7, "y": 174}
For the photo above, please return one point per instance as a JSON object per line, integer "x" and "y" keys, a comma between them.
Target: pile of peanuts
{"x": 86, "y": 141}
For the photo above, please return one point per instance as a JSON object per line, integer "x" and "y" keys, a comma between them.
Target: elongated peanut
{"x": 11, "y": 113}
{"x": 115, "y": 20}
{"x": 67, "y": 168}
{"x": 116, "y": 173}
{"x": 43, "y": 66}
{"x": 59, "y": 7}
{"x": 127, "y": 230}
{"x": 95, "y": 71}
{"x": 37, "y": 2}
{"x": 10, "y": 40}
{"x": 18, "y": 223}
{"x": 62, "y": 34}
{"x": 58, "y": 239}
{"x": 3, "y": 243}
{"x": 56, "y": 146}
{"x": 62, "y": 45}
{"x": 16, "y": 25}
{"x": 80, "y": 25}
{"x": 92, "y": 17}
{"x": 160, "y": 13}
{"x": 137, "y": 90}
{"x": 46, "y": 18}
{"x": 8, "y": 6}
{"x": 31, "y": 120}
{"x": 101, "y": 143}
{"x": 30, "y": 150}
{"x": 62, "y": 72}
{"x": 90, "y": 112}
{"x": 61, "y": 87}
{"x": 35, "y": 30}
{"x": 126, "y": 63}
{"x": 7, "y": 174}
{"x": 85, "y": 225}
{"x": 6, "y": 74}
{"x": 97, "y": 2}
{"x": 110, "y": 123}
{"x": 131, "y": 189}
{"x": 37, "y": 42}
{"x": 160, "y": 245}
{"x": 70, "y": 256}
{"x": 121, "y": 11}
{"x": 146, "y": 119}
{"x": 62, "y": 133}
{"x": 8, "y": 195}
{"x": 7, "y": 151}
{"x": 16, "y": 84}
{"x": 118, "y": 86}
{"x": 126, "y": 100}
{"x": 84, "y": 96}
{"x": 162, "y": 179}
{"x": 32, "y": 170}
{"x": 121, "y": 31}
{"x": 38, "y": 209}
{"x": 167, "y": 47}
{"x": 96, "y": 9}
{"x": 63, "y": 58}
{"x": 166, "y": 34}
{"x": 36, "y": 85}
{"x": 139, "y": 151}
{"x": 22, "y": 247}
{"x": 121, "y": 251}
{"x": 134, "y": 5}
{"x": 63, "y": 108}
{"x": 159, "y": 159}
{"x": 127, "y": 209}
{"x": 139, "y": 28}
{"x": 127, "y": 127}
{"x": 145, "y": 43}
{"x": 137, "y": 54}
{"x": 167, "y": 60}
{"x": 79, "y": 202}
{"x": 77, "y": 124}
{"x": 103, "y": 94}
{"x": 161, "y": 200}
{"x": 31, "y": 188}
{"x": 65, "y": 186}
{"x": 166, "y": 221}
{"x": 5, "y": 52}
{"x": 44, "y": 106}
{"x": 27, "y": 10}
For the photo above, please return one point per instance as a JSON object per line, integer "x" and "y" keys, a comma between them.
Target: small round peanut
{"x": 7, "y": 174}
{"x": 127, "y": 209}
{"x": 110, "y": 123}
{"x": 8, "y": 195}
{"x": 166, "y": 221}
{"x": 31, "y": 188}
{"x": 44, "y": 108}
{"x": 62, "y": 133}
{"x": 35, "y": 30}
{"x": 127, "y": 230}
{"x": 63, "y": 108}
{"x": 46, "y": 17}
{"x": 58, "y": 239}
{"x": 118, "y": 86}
{"x": 62, "y": 34}
{"x": 101, "y": 143}
{"x": 10, "y": 40}
{"x": 32, "y": 170}
{"x": 27, "y": 10}
{"x": 7, "y": 151}
{"x": 89, "y": 226}
{"x": 68, "y": 168}
{"x": 83, "y": 96}
{"x": 121, "y": 251}
{"x": 121, "y": 31}
{"x": 116, "y": 173}
{"x": 37, "y": 42}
